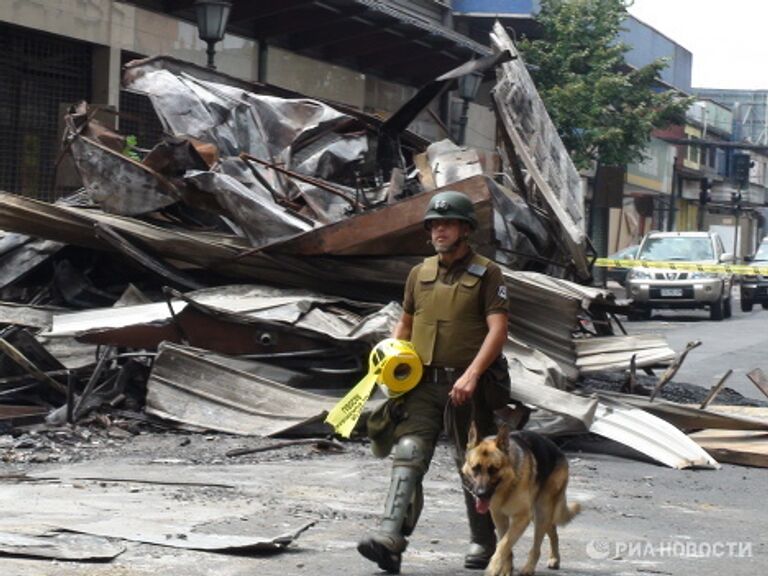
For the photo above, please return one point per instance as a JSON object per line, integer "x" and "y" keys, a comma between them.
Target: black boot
{"x": 483, "y": 536}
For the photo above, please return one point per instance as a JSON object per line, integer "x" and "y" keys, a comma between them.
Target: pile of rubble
{"x": 235, "y": 276}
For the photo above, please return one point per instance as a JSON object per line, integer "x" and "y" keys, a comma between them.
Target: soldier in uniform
{"x": 455, "y": 314}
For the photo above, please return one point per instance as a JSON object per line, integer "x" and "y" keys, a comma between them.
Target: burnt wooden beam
{"x": 715, "y": 390}
{"x": 758, "y": 378}
{"x": 673, "y": 368}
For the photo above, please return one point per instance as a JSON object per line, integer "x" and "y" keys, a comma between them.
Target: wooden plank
{"x": 674, "y": 367}
{"x": 392, "y": 229}
{"x": 691, "y": 417}
{"x": 715, "y": 390}
{"x": 746, "y": 448}
{"x": 603, "y": 344}
{"x": 758, "y": 378}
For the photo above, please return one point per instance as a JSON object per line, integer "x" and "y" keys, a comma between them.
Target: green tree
{"x": 604, "y": 110}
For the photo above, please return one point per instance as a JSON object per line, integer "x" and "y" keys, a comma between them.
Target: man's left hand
{"x": 463, "y": 389}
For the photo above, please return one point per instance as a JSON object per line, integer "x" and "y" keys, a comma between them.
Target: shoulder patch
{"x": 477, "y": 270}
{"x": 502, "y": 292}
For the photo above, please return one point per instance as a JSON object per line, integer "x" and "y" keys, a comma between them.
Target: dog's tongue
{"x": 482, "y": 505}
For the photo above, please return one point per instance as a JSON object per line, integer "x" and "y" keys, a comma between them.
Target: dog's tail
{"x": 565, "y": 512}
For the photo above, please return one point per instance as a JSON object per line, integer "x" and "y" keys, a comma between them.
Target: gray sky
{"x": 727, "y": 38}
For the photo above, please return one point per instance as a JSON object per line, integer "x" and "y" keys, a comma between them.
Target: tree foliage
{"x": 604, "y": 110}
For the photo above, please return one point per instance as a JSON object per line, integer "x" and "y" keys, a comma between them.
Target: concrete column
{"x": 105, "y": 87}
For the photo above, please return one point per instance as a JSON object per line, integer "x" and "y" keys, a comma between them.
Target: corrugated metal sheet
{"x": 649, "y": 435}
{"x": 199, "y": 391}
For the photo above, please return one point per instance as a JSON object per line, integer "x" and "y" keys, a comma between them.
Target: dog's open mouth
{"x": 482, "y": 505}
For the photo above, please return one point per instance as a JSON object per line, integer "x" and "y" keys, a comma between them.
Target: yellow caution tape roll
{"x": 692, "y": 266}
{"x": 397, "y": 366}
{"x": 393, "y": 365}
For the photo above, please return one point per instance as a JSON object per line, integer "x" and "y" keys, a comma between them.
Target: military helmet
{"x": 450, "y": 205}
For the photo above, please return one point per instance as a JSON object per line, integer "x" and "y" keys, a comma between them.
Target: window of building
{"x": 40, "y": 76}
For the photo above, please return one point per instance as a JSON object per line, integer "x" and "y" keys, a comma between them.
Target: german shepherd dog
{"x": 519, "y": 477}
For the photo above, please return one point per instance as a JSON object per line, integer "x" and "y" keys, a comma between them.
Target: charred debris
{"x": 235, "y": 276}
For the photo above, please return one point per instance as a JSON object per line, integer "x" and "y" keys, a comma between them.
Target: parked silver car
{"x": 620, "y": 274}
{"x": 754, "y": 287}
{"x": 666, "y": 288}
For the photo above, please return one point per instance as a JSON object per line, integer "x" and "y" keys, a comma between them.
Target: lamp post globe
{"x": 212, "y": 17}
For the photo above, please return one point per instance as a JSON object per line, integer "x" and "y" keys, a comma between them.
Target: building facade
{"x": 370, "y": 55}
{"x": 750, "y": 111}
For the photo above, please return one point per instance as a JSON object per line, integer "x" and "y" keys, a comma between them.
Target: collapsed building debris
{"x": 319, "y": 208}
{"x": 197, "y": 391}
{"x": 234, "y": 278}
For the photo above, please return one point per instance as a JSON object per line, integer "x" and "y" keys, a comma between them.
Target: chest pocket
{"x": 458, "y": 300}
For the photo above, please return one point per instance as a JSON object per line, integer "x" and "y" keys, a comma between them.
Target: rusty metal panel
{"x": 60, "y": 546}
{"x": 118, "y": 183}
{"x": 199, "y": 391}
{"x": 538, "y": 146}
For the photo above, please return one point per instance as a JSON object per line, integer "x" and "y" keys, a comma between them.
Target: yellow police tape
{"x": 393, "y": 365}
{"x": 692, "y": 266}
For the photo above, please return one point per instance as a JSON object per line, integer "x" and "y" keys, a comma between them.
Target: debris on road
{"x": 60, "y": 546}
{"x": 234, "y": 278}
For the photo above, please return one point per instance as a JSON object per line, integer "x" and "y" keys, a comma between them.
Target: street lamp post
{"x": 468, "y": 87}
{"x": 212, "y": 16}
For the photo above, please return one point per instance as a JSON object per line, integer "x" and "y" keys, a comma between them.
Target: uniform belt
{"x": 440, "y": 374}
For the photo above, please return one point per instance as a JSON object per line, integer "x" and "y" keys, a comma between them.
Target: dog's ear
{"x": 472, "y": 436}
{"x": 502, "y": 438}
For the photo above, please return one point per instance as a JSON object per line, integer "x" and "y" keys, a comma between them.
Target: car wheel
{"x": 716, "y": 309}
{"x": 727, "y": 307}
{"x": 640, "y": 314}
{"x": 765, "y": 305}
{"x": 746, "y": 305}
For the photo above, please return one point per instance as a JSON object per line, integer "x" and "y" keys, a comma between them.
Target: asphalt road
{"x": 638, "y": 518}
{"x": 739, "y": 342}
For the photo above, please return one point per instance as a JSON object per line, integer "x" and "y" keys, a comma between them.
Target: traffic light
{"x": 741, "y": 165}
{"x": 705, "y": 185}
